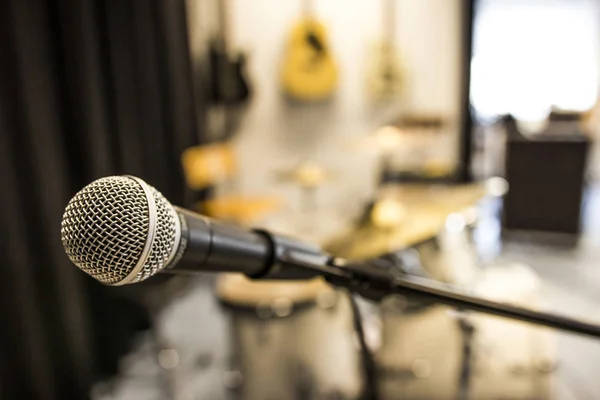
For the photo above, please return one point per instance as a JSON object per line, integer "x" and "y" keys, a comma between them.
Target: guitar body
{"x": 309, "y": 72}
{"x": 387, "y": 76}
{"x": 228, "y": 83}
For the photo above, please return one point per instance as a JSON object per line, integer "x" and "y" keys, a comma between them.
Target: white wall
{"x": 277, "y": 135}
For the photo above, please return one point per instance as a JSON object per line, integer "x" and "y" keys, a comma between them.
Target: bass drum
{"x": 421, "y": 353}
{"x": 425, "y": 347}
{"x": 290, "y": 340}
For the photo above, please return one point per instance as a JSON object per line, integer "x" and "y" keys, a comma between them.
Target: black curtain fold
{"x": 87, "y": 88}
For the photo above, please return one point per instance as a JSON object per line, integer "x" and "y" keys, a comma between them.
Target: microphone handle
{"x": 210, "y": 246}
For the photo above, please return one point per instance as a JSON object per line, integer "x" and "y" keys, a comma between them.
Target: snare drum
{"x": 290, "y": 340}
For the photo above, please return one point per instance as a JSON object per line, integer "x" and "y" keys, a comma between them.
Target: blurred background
{"x": 457, "y": 139}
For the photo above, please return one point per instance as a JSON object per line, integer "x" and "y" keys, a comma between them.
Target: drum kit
{"x": 307, "y": 340}
{"x": 297, "y": 340}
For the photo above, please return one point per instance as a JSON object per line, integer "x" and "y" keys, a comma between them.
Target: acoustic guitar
{"x": 309, "y": 72}
{"x": 387, "y": 75}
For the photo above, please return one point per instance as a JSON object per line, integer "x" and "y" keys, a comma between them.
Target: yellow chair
{"x": 215, "y": 164}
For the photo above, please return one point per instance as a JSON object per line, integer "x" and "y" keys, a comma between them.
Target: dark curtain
{"x": 88, "y": 88}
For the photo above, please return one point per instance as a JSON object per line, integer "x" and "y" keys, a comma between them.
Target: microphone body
{"x": 210, "y": 246}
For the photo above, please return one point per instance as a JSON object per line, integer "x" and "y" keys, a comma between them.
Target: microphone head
{"x": 120, "y": 230}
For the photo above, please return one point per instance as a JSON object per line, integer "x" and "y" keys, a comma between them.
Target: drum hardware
{"x": 542, "y": 365}
{"x": 327, "y": 300}
{"x": 396, "y": 373}
{"x": 409, "y": 260}
{"x": 518, "y": 369}
{"x": 204, "y": 361}
{"x": 233, "y": 380}
{"x": 395, "y": 303}
{"x": 420, "y": 368}
{"x": 168, "y": 358}
{"x": 282, "y": 307}
{"x": 370, "y": 370}
{"x": 264, "y": 310}
{"x": 307, "y": 388}
{"x": 405, "y": 263}
{"x": 309, "y": 176}
{"x": 305, "y": 385}
{"x": 546, "y": 365}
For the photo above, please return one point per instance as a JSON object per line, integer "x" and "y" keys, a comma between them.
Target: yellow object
{"x": 308, "y": 174}
{"x": 388, "y": 138}
{"x": 309, "y": 72}
{"x": 437, "y": 168}
{"x": 241, "y": 209}
{"x": 426, "y": 209}
{"x": 212, "y": 164}
{"x": 387, "y": 75}
{"x": 207, "y": 164}
{"x": 388, "y": 213}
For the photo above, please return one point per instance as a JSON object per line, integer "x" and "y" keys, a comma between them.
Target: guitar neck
{"x": 389, "y": 22}
{"x": 224, "y": 31}
{"x": 308, "y": 9}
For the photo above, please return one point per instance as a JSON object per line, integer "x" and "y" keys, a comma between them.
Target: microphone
{"x": 120, "y": 230}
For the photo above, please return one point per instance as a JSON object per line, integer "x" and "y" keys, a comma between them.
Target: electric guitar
{"x": 387, "y": 75}
{"x": 228, "y": 82}
{"x": 309, "y": 72}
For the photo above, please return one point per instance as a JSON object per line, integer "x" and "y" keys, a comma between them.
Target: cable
{"x": 468, "y": 330}
{"x": 370, "y": 391}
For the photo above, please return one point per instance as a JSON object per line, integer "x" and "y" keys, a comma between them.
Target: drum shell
{"x": 421, "y": 354}
{"x": 309, "y": 353}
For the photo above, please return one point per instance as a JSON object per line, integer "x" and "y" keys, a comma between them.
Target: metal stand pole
{"x": 377, "y": 279}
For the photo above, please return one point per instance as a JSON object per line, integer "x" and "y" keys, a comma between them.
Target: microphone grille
{"x": 120, "y": 230}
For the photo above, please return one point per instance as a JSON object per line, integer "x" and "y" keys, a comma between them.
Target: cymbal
{"x": 408, "y": 131}
{"x": 208, "y": 164}
{"x": 425, "y": 210}
{"x": 384, "y": 139}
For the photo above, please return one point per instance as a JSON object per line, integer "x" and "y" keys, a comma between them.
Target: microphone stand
{"x": 378, "y": 278}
